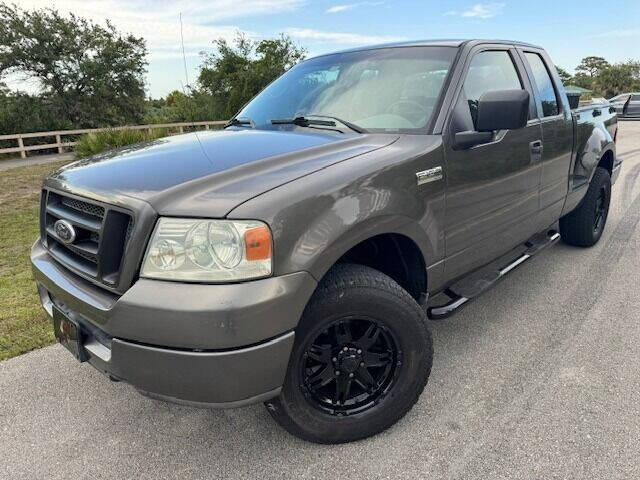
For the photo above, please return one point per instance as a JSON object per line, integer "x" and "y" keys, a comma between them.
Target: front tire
{"x": 361, "y": 358}
{"x": 584, "y": 226}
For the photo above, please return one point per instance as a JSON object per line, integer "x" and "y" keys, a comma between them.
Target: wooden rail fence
{"x": 60, "y": 145}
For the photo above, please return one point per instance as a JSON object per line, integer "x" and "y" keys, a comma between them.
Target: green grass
{"x": 97, "y": 142}
{"x": 24, "y": 325}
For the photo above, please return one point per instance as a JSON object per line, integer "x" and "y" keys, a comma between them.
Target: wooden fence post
{"x": 23, "y": 154}
{"x": 59, "y": 142}
{"x": 181, "y": 129}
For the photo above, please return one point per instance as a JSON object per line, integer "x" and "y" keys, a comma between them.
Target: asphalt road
{"x": 538, "y": 378}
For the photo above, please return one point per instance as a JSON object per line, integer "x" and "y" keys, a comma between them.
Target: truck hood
{"x": 209, "y": 173}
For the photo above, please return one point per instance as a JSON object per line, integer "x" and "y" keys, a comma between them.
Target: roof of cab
{"x": 435, "y": 43}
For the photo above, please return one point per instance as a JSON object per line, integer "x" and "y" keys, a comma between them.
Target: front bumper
{"x": 205, "y": 345}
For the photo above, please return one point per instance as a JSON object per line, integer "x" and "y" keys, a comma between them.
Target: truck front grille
{"x": 101, "y": 234}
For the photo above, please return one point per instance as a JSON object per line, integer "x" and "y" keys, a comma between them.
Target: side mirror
{"x": 497, "y": 110}
{"x": 503, "y": 110}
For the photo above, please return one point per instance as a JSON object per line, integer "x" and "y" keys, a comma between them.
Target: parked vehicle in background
{"x": 626, "y": 104}
{"x": 290, "y": 258}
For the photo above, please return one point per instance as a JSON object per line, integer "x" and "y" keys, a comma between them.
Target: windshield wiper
{"x": 310, "y": 122}
{"x": 239, "y": 122}
{"x": 346, "y": 123}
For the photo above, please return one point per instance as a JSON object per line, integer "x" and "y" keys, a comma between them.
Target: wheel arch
{"x": 607, "y": 160}
{"x": 400, "y": 251}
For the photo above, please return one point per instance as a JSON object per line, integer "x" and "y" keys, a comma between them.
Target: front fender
{"x": 328, "y": 239}
{"x": 316, "y": 219}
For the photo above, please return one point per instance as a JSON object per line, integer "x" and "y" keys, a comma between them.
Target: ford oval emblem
{"x": 64, "y": 231}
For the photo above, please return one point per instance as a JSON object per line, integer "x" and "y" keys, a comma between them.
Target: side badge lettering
{"x": 430, "y": 175}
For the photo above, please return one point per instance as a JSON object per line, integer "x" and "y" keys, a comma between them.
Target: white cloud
{"x": 343, "y": 38}
{"x": 479, "y": 10}
{"x": 158, "y": 21}
{"x": 341, "y": 8}
{"x": 351, "y": 6}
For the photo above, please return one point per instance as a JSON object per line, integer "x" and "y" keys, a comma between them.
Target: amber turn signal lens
{"x": 257, "y": 243}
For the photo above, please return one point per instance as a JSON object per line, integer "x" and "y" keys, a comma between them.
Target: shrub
{"x": 96, "y": 142}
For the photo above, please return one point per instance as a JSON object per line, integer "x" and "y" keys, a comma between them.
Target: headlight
{"x": 208, "y": 250}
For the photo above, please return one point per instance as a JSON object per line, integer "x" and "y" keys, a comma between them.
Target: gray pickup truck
{"x": 294, "y": 257}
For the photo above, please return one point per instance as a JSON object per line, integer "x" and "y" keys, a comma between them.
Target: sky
{"x": 569, "y": 30}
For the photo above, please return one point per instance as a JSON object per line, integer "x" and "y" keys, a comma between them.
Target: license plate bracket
{"x": 70, "y": 334}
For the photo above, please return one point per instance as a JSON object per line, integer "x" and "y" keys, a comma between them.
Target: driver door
{"x": 492, "y": 197}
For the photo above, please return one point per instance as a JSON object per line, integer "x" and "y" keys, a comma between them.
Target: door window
{"x": 489, "y": 70}
{"x": 545, "y": 86}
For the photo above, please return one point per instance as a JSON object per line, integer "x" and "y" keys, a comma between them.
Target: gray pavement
{"x": 538, "y": 378}
{"x": 6, "y": 164}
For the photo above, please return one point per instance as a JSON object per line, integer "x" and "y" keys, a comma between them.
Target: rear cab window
{"x": 542, "y": 80}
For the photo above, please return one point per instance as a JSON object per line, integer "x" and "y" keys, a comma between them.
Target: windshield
{"x": 381, "y": 90}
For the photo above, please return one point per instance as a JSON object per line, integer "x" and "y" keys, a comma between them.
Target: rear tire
{"x": 583, "y": 227}
{"x": 361, "y": 358}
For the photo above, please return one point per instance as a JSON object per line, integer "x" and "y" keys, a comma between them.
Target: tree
{"x": 618, "y": 78}
{"x": 92, "y": 75}
{"x": 235, "y": 73}
{"x": 583, "y": 80}
{"x": 564, "y": 75}
{"x": 592, "y": 65}
{"x": 21, "y": 112}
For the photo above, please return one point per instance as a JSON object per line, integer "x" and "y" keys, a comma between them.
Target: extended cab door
{"x": 492, "y": 188}
{"x": 557, "y": 135}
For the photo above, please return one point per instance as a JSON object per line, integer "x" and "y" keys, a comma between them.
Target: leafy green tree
{"x": 564, "y": 75}
{"x": 618, "y": 78}
{"x": 21, "y": 112}
{"x": 91, "y": 75}
{"x": 583, "y": 80}
{"x": 175, "y": 98}
{"x": 235, "y": 73}
{"x": 592, "y": 65}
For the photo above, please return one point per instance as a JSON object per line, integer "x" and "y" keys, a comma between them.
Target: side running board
{"x": 468, "y": 288}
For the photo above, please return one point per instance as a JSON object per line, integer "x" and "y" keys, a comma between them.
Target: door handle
{"x": 536, "y": 147}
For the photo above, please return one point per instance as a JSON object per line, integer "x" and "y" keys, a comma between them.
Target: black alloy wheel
{"x": 601, "y": 210}
{"x": 350, "y": 366}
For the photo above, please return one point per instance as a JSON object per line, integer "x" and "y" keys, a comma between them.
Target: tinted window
{"x": 545, "y": 85}
{"x": 389, "y": 89}
{"x": 490, "y": 70}
{"x": 635, "y": 97}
